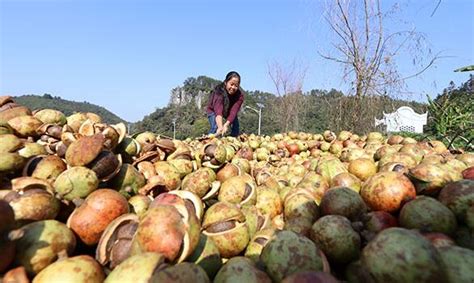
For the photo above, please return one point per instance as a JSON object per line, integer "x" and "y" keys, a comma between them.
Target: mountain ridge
{"x": 68, "y": 107}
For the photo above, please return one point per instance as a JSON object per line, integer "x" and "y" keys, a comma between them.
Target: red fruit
{"x": 468, "y": 173}
{"x": 91, "y": 218}
{"x": 387, "y": 191}
{"x": 171, "y": 230}
{"x": 349, "y": 143}
{"x": 293, "y": 149}
{"x": 17, "y": 275}
{"x": 246, "y": 153}
{"x": 346, "y": 179}
{"x": 376, "y": 221}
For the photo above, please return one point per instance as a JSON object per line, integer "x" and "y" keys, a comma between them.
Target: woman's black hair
{"x": 230, "y": 75}
{"x": 220, "y": 90}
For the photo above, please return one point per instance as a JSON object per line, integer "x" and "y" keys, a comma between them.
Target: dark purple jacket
{"x": 216, "y": 103}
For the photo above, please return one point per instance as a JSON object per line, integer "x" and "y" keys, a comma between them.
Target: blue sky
{"x": 127, "y": 55}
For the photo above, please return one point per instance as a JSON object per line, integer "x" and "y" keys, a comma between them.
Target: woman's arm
{"x": 219, "y": 124}
{"x": 235, "y": 109}
{"x": 218, "y": 105}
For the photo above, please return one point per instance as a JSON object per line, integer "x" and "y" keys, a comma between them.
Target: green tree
{"x": 451, "y": 114}
{"x": 68, "y": 107}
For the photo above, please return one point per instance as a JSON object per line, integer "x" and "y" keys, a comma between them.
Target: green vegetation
{"x": 465, "y": 69}
{"x": 66, "y": 106}
{"x": 321, "y": 110}
{"x": 451, "y": 113}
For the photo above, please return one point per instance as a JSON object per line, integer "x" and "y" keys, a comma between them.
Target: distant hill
{"x": 186, "y": 105}
{"x": 68, "y": 107}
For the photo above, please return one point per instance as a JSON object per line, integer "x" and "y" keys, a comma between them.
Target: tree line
{"x": 68, "y": 107}
{"x": 450, "y": 114}
{"x": 323, "y": 109}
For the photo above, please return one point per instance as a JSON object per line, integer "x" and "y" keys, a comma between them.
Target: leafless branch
{"x": 436, "y": 8}
{"x": 429, "y": 65}
{"x": 288, "y": 82}
{"x": 369, "y": 54}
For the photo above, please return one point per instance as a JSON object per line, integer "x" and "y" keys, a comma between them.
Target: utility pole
{"x": 174, "y": 127}
{"x": 259, "y": 112}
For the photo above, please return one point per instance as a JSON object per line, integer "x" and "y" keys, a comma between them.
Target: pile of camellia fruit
{"x": 83, "y": 201}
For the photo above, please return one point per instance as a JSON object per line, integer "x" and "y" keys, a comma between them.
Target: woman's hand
{"x": 225, "y": 128}
{"x": 220, "y": 127}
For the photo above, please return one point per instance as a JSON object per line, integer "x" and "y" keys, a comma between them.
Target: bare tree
{"x": 288, "y": 81}
{"x": 369, "y": 53}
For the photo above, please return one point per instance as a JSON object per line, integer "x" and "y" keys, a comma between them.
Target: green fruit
{"x": 128, "y": 180}
{"x": 343, "y": 201}
{"x": 183, "y": 272}
{"x": 11, "y": 161}
{"x": 226, "y": 225}
{"x": 310, "y": 276}
{"x": 206, "y": 255}
{"x": 401, "y": 255}
{"x": 199, "y": 182}
{"x": 335, "y": 236}
{"x": 239, "y": 190}
{"x": 139, "y": 204}
{"x": 356, "y": 273}
{"x": 329, "y": 168}
{"x": 287, "y": 253}
{"x": 470, "y": 217}
{"x": 255, "y": 247}
{"x": 458, "y": 196}
{"x": 240, "y": 269}
{"x": 81, "y": 268}
{"x": 428, "y": 215}
{"x": 76, "y": 182}
{"x": 51, "y": 116}
{"x": 459, "y": 263}
{"x": 9, "y": 143}
{"x": 268, "y": 201}
{"x": 41, "y": 243}
{"x": 254, "y": 219}
{"x": 25, "y": 126}
{"x": 464, "y": 237}
{"x": 137, "y": 269}
{"x": 301, "y": 226}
